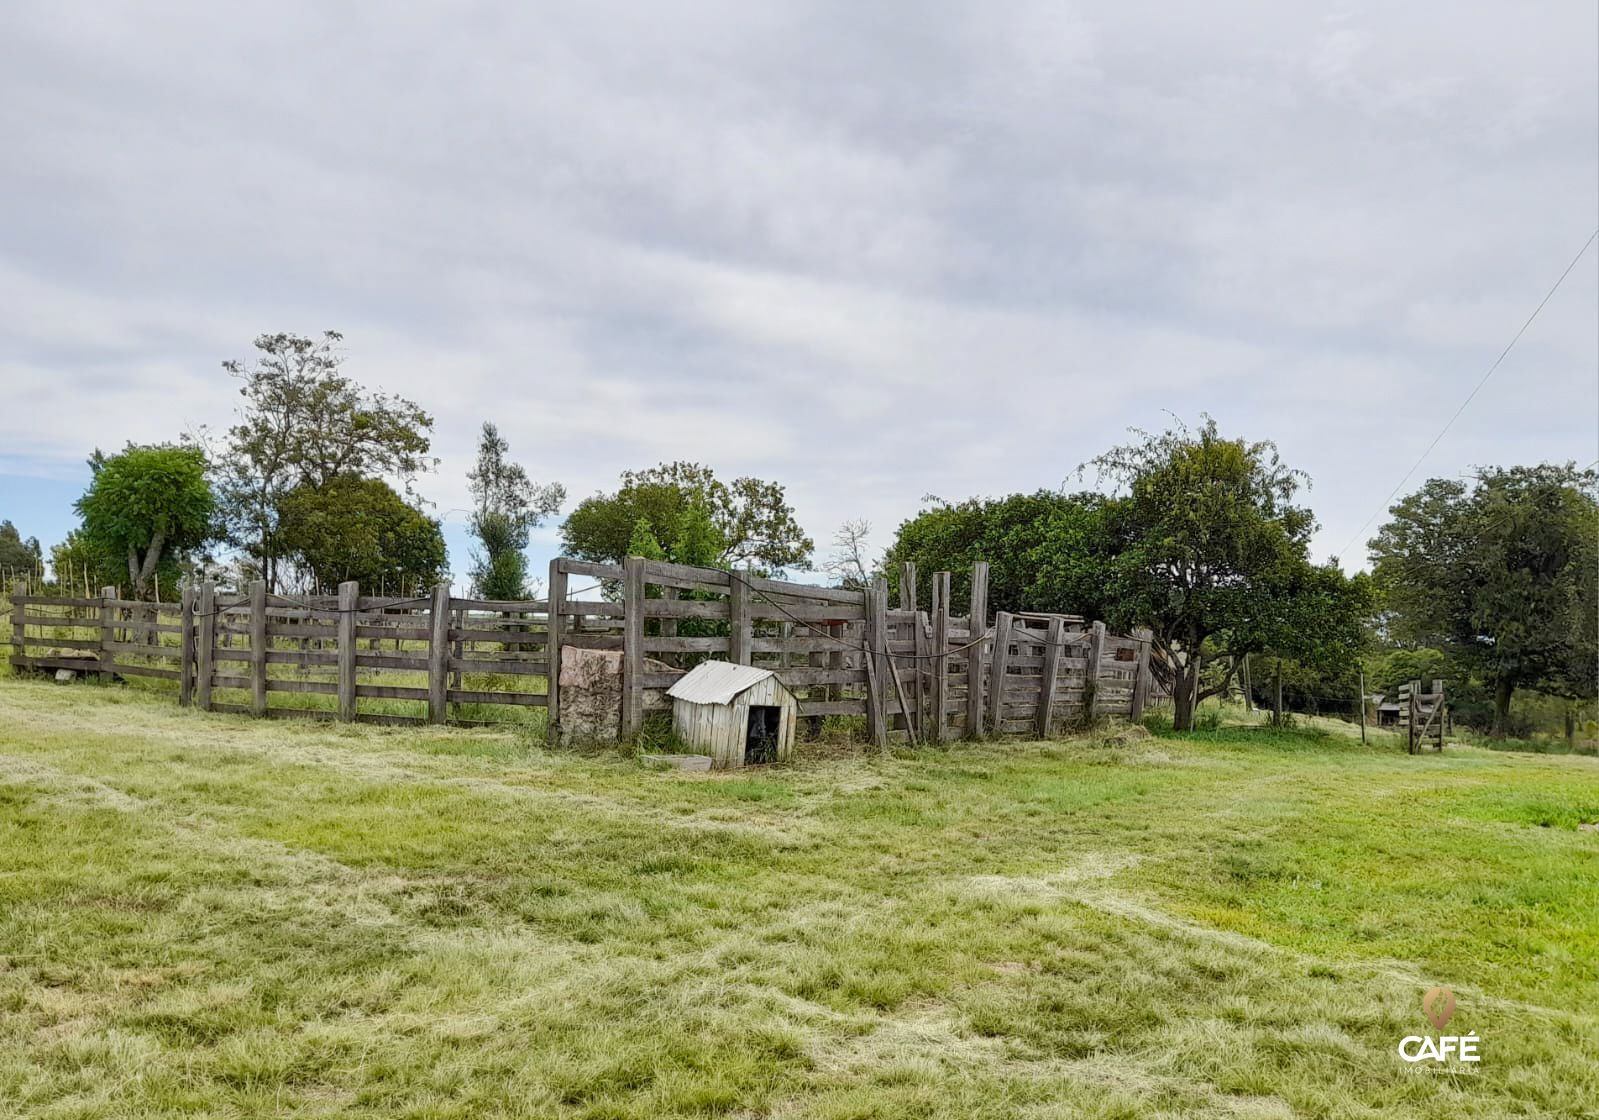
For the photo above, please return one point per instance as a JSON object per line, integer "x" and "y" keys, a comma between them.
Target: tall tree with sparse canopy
{"x": 694, "y": 517}
{"x": 506, "y": 506}
{"x": 1502, "y": 574}
{"x": 304, "y": 423}
{"x": 147, "y": 504}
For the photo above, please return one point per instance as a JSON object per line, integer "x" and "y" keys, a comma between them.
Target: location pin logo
{"x": 1439, "y": 1006}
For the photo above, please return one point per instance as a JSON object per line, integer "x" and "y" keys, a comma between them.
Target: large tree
{"x": 506, "y": 505}
{"x": 1501, "y": 574}
{"x": 360, "y": 528}
{"x": 1044, "y": 550}
{"x": 147, "y": 505}
{"x": 1209, "y": 549}
{"x": 18, "y": 556}
{"x": 694, "y": 517}
{"x": 304, "y": 423}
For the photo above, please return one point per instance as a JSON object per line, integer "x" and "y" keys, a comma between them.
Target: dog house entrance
{"x": 760, "y": 744}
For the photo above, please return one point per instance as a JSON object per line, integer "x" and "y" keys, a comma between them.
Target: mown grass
{"x": 207, "y": 915}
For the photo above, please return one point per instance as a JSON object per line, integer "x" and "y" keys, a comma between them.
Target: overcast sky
{"x": 872, "y": 251}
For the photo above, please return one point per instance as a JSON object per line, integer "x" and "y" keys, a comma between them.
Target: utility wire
{"x": 1472, "y": 395}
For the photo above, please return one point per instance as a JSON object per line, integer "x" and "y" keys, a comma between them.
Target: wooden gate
{"x": 1422, "y": 715}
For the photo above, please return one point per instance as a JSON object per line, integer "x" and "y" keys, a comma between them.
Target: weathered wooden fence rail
{"x": 931, "y": 674}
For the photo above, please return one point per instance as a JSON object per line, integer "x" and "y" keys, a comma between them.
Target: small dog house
{"x": 737, "y": 714}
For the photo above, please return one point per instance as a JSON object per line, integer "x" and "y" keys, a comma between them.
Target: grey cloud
{"x": 873, "y": 251}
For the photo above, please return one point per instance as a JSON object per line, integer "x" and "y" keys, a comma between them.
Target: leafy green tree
{"x": 1501, "y": 575}
{"x": 507, "y": 505}
{"x": 360, "y": 528}
{"x": 147, "y": 504}
{"x": 694, "y": 517}
{"x": 79, "y": 563}
{"x": 18, "y": 555}
{"x": 304, "y": 423}
{"x": 1208, "y": 546}
{"x": 643, "y": 542}
{"x": 698, "y": 540}
{"x": 1044, "y": 550}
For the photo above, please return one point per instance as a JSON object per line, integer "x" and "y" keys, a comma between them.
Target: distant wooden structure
{"x": 1386, "y": 710}
{"x": 1422, "y": 715}
{"x": 739, "y": 715}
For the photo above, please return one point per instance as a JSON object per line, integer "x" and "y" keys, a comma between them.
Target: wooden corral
{"x": 931, "y": 673}
{"x": 739, "y": 715}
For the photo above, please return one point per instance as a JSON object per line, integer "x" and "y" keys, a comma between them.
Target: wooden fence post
{"x": 1362, "y": 710}
{"x": 1415, "y": 716}
{"x": 878, "y": 665}
{"x": 998, "y": 664}
{"x": 1054, "y": 639}
{"x": 439, "y": 654}
{"x": 1096, "y": 652}
{"x": 941, "y": 657}
{"x": 349, "y": 599}
{"x": 907, "y": 602}
{"x": 458, "y": 647}
{"x": 19, "y": 612}
{"x": 1438, "y": 691}
{"x": 740, "y": 632}
{"x": 552, "y": 633}
{"x": 835, "y": 658}
{"x": 977, "y": 623}
{"x": 1409, "y": 715}
{"x": 1141, "y": 674}
{"x": 186, "y": 644}
{"x": 258, "y": 647}
{"x": 206, "y": 644}
{"x": 633, "y": 645}
{"x": 19, "y": 632}
{"x": 885, "y": 664}
{"x": 108, "y": 631}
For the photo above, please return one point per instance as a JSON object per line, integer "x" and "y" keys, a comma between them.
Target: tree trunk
{"x": 1503, "y": 689}
{"x": 152, "y": 558}
{"x": 1571, "y": 726}
{"x": 1182, "y": 701}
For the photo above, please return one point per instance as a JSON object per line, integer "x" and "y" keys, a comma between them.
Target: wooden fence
{"x": 427, "y": 659}
{"x": 1028, "y": 673}
{"x": 438, "y": 658}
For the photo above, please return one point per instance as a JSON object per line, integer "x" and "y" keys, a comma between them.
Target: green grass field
{"x": 204, "y": 915}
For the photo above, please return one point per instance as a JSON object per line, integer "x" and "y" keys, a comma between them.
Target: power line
{"x": 1472, "y": 395}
